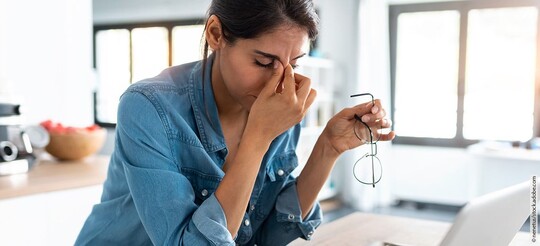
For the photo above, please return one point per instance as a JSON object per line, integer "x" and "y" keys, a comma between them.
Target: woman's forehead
{"x": 283, "y": 42}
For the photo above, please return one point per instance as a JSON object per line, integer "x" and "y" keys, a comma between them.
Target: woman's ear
{"x": 214, "y": 33}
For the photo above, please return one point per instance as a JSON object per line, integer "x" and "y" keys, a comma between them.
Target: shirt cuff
{"x": 210, "y": 220}
{"x": 288, "y": 210}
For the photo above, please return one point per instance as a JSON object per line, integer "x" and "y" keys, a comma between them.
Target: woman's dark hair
{"x": 247, "y": 19}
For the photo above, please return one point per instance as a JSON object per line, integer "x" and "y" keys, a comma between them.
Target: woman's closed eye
{"x": 270, "y": 64}
{"x": 265, "y": 65}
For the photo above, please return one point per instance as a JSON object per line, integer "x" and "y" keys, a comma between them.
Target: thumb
{"x": 275, "y": 80}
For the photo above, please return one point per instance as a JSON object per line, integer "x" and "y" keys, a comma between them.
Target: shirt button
{"x": 252, "y": 207}
{"x": 246, "y": 222}
{"x": 291, "y": 217}
{"x": 204, "y": 192}
{"x": 280, "y": 172}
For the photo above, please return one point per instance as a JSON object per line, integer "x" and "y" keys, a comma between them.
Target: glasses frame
{"x": 373, "y": 147}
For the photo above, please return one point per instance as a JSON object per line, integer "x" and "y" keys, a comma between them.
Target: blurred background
{"x": 459, "y": 80}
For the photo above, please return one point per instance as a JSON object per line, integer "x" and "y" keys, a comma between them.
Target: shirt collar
{"x": 205, "y": 108}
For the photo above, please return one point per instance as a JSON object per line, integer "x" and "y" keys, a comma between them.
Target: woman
{"x": 204, "y": 151}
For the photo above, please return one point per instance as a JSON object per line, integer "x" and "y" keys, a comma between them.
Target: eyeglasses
{"x": 365, "y": 133}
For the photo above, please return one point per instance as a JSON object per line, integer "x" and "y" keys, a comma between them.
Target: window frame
{"x": 169, "y": 25}
{"x": 463, "y": 7}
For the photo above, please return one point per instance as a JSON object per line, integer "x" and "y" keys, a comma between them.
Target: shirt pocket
{"x": 203, "y": 184}
{"x": 281, "y": 166}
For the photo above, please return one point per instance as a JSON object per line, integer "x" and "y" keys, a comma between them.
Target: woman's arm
{"x": 337, "y": 137}
{"x": 163, "y": 198}
{"x": 271, "y": 115}
{"x": 235, "y": 189}
{"x": 312, "y": 178}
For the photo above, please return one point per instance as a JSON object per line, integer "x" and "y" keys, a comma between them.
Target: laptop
{"x": 492, "y": 219}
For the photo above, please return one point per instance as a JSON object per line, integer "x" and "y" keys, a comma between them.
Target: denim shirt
{"x": 167, "y": 164}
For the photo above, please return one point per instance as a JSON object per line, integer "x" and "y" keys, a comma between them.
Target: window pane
{"x": 427, "y": 74}
{"x": 112, "y": 64}
{"x": 150, "y": 52}
{"x": 187, "y": 44}
{"x": 500, "y": 73}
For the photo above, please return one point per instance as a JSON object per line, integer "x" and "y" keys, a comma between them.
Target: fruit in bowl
{"x": 73, "y": 143}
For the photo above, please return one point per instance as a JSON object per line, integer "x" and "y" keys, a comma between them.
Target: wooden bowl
{"x": 75, "y": 145}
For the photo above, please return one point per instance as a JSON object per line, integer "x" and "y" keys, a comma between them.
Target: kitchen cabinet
{"x": 53, "y": 218}
{"x": 49, "y": 204}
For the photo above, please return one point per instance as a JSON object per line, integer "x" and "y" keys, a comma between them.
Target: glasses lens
{"x": 368, "y": 169}
{"x": 378, "y": 130}
{"x": 363, "y": 133}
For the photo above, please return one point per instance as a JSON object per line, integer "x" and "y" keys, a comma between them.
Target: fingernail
{"x": 365, "y": 118}
{"x": 276, "y": 65}
{"x": 375, "y": 109}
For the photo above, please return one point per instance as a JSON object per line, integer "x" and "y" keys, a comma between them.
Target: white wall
{"x": 121, "y": 11}
{"x": 46, "y": 57}
{"x": 418, "y": 1}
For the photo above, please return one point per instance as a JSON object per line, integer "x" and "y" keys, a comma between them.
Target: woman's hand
{"x": 282, "y": 103}
{"x": 340, "y": 133}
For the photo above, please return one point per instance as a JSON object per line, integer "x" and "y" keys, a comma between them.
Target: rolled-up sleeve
{"x": 163, "y": 197}
{"x": 288, "y": 210}
{"x": 285, "y": 222}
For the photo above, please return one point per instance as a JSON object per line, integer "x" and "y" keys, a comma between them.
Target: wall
{"x": 122, "y": 11}
{"x": 46, "y": 55}
{"x": 418, "y": 1}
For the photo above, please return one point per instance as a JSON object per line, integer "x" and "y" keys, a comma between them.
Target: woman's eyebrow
{"x": 275, "y": 57}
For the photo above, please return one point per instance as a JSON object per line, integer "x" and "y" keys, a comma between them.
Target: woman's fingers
{"x": 383, "y": 130}
{"x": 284, "y": 101}
{"x": 310, "y": 99}
{"x": 289, "y": 85}
{"x": 304, "y": 88}
{"x": 275, "y": 81}
{"x": 375, "y": 112}
{"x": 387, "y": 136}
{"x": 358, "y": 110}
{"x": 386, "y": 123}
{"x": 373, "y": 115}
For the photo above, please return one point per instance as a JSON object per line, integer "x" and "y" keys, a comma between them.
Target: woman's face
{"x": 247, "y": 65}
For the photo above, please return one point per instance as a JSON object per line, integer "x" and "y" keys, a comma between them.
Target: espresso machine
{"x": 16, "y": 152}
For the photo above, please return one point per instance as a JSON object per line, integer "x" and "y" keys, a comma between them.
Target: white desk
{"x": 364, "y": 229}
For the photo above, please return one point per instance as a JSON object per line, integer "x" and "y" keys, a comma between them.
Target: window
{"x": 125, "y": 54}
{"x": 464, "y": 72}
